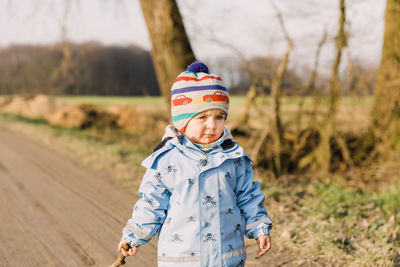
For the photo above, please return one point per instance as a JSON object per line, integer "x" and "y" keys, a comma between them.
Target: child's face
{"x": 206, "y": 127}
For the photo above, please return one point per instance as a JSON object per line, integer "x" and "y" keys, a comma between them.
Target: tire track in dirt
{"x": 38, "y": 234}
{"x": 56, "y": 178}
{"x": 3, "y": 168}
{"x": 58, "y": 213}
{"x": 14, "y": 199}
{"x": 51, "y": 171}
{"x": 82, "y": 253}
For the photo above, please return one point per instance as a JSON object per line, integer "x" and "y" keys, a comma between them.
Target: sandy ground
{"x": 55, "y": 212}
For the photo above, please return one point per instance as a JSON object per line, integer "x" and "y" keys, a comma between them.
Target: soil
{"x": 56, "y": 212}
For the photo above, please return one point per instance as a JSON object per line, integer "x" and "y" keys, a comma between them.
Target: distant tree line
{"x": 95, "y": 70}
{"x": 258, "y": 71}
{"x": 358, "y": 79}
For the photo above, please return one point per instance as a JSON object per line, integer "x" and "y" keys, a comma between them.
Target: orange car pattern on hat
{"x": 181, "y": 100}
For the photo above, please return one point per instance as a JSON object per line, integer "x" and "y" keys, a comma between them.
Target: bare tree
{"x": 171, "y": 50}
{"x": 275, "y": 124}
{"x": 63, "y": 75}
{"x": 308, "y": 89}
{"x": 320, "y": 158}
{"x": 385, "y": 115}
{"x": 276, "y": 128}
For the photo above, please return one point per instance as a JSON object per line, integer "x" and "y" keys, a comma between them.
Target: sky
{"x": 213, "y": 26}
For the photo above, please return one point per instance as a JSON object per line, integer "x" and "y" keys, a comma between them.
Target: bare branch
{"x": 276, "y": 129}
{"x": 260, "y": 142}
{"x": 283, "y": 28}
{"x": 344, "y": 150}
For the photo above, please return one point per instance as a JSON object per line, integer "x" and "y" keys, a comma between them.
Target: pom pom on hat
{"x": 198, "y": 67}
{"x": 194, "y": 91}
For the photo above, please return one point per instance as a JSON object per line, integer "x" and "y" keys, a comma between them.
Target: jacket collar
{"x": 229, "y": 148}
{"x": 184, "y": 145}
{"x": 171, "y": 132}
{"x": 209, "y": 160}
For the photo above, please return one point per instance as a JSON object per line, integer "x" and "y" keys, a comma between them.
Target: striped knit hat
{"x": 195, "y": 91}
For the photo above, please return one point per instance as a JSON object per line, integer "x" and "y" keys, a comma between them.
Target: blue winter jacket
{"x": 201, "y": 204}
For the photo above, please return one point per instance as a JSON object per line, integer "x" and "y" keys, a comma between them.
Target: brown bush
{"x": 56, "y": 113}
{"x": 32, "y": 106}
{"x": 4, "y": 100}
{"x": 80, "y": 116}
{"x": 42, "y": 106}
{"x": 133, "y": 119}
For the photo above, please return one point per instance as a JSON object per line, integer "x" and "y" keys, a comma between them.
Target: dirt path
{"x": 55, "y": 212}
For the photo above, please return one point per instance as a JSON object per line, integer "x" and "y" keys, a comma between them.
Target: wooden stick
{"x": 121, "y": 258}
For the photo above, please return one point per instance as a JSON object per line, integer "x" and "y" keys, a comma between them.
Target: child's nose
{"x": 211, "y": 123}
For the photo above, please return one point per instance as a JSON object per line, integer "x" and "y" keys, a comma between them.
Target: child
{"x": 198, "y": 190}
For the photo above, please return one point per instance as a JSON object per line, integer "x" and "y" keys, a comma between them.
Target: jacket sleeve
{"x": 250, "y": 201}
{"x": 149, "y": 211}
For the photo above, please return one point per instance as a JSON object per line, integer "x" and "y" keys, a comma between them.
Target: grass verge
{"x": 114, "y": 151}
{"x": 328, "y": 223}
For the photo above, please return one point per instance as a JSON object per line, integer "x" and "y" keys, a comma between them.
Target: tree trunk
{"x": 250, "y": 101}
{"x": 171, "y": 50}
{"x": 276, "y": 129}
{"x": 385, "y": 116}
{"x": 324, "y": 154}
{"x": 309, "y": 89}
{"x": 319, "y": 159}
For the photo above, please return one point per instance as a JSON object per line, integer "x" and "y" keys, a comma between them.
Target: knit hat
{"x": 195, "y": 91}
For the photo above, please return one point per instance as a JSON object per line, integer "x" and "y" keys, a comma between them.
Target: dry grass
{"x": 348, "y": 219}
{"x": 326, "y": 223}
{"x": 352, "y": 116}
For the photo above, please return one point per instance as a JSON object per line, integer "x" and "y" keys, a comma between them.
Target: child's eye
{"x": 201, "y": 117}
{"x": 220, "y": 117}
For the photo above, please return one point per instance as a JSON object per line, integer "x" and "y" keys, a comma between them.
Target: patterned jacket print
{"x": 201, "y": 204}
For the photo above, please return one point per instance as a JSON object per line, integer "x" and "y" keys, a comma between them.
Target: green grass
{"x": 388, "y": 201}
{"x": 308, "y": 101}
{"x": 19, "y": 118}
{"x": 128, "y": 100}
{"x": 338, "y": 201}
{"x": 111, "y": 100}
{"x": 235, "y": 100}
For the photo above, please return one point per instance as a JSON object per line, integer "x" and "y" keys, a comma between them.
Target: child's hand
{"x": 131, "y": 251}
{"x": 264, "y": 244}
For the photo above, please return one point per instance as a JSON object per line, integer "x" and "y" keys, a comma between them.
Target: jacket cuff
{"x": 263, "y": 230}
{"x": 134, "y": 237}
{"x": 258, "y": 228}
{"x": 133, "y": 242}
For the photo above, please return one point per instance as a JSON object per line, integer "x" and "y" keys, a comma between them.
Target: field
{"x": 235, "y": 100}
{"x": 353, "y": 111}
{"x": 345, "y": 219}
